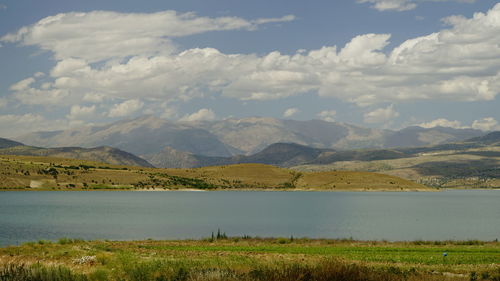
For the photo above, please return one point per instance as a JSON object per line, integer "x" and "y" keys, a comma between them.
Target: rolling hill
{"x": 6, "y": 143}
{"x": 60, "y": 173}
{"x": 471, "y": 163}
{"x": 103, "y": 154}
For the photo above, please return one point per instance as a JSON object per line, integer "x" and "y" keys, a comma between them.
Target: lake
{"x": 125, "y": 215}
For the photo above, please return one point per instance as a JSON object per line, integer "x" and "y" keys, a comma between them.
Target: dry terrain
{"x": 471, "y": 168}
{"x": 58, "y": 173}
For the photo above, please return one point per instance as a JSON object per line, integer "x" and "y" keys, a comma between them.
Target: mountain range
{"x": 438, "y": 156}
{"x": 166, "y": 143}
{"x": 292, "y": 154}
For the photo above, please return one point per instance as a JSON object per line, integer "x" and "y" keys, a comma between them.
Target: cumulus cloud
{"x": 93, "y": 97}
{"x": 290, "y": 112}
{"x": 100, "y": 35}
{"x": 39, "y": 96}
{"x": 12, "y": 125}
{"x": 81, "y": 112}
{"x": 169, "y": 112}
{"x": 3, "y": 102}
{"x": 23, "y": 84}
{"x": 486, "y": 124}
{"x": 327, "y": 115}
{"x": 384, "y": 5}
{"x": 403, "y": 5}
{"x": 204, "y": 114}
{"x": 459, "y": 63}
{"x": 442, "y": 122}
{"x": 126, "y": 108}
{"x": 381, "y": 115}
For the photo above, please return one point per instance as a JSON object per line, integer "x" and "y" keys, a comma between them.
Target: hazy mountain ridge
{"x": 291, "y": 154}
{"x": 103, "y": 154}
{"x": 148, "y": 135}
{"x": 140, "y": 136}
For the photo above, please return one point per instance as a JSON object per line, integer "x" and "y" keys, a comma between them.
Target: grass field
{"x": 254, "y": 259}
{"x": 18, "y": 172}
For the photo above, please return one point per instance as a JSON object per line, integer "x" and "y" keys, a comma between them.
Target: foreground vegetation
{"x": 34, "y": 172}
{"x": 245, "y": 258}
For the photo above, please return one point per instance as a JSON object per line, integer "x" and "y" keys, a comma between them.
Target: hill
{"x": 107, "y": 155}
{"x": 60, "y": 173}
{"x": 6, "y": 143}
{"x": 278, "y": 154}
{"x": 492, "y": 138}
{"x": 472, "y": 163}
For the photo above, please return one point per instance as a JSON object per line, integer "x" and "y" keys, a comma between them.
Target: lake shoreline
{"x": 394, "y": 216}
{"x": 229, "y": 189}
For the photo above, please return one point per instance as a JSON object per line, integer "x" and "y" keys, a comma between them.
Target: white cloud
{"x": 203, "y": 114}
{"x": 170, "y": 113}
{"x": 125, "y": 108}
{"x": 403, "y": 5}
{"x": 22, "y": 85}
{"x": 100, "y": 35}
{"x": 34, "y": 96}
{"x": 70, "y": 66}
{"x": 93, "y": 97}
{"x": 486, "y": 124}
{"x": 3, "y": 102}
{"x": 14, "y": 125}
{"x": 381, "y": 115}
{"x": 286, "y": 18}
{"x": 442, "y": 122}
{"x": 385, "y": 5}
{"x": 39, "y": 74}
{"x": 81, "y": 112}
{"x": 460, "y": 63}
{"x": 327, "y": 115}
{"x": 290, "y": 112}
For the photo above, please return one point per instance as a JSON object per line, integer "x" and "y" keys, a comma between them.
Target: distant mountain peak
{"x": 149, "y": 134}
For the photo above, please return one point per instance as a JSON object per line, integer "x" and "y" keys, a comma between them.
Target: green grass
{"x": 244, "y": 258}
{"x": 409, "y": 255}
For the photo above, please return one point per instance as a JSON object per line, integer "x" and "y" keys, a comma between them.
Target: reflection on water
{"x": 459, "y": 215}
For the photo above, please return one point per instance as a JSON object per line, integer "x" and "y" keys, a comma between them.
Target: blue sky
{"x": 376, "y": 63}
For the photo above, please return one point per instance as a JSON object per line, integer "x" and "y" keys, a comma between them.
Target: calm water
{"x": 29, "y": 216}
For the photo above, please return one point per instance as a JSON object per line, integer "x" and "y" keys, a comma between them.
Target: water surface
{"x": 125, "y": 215}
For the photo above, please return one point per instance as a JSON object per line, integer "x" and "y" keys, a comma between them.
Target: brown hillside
{"x": 59, "y": 173}
{"x": 359, "y": 181}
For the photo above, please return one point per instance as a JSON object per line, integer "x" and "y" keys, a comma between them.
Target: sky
{"x": 374, "y": 63}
